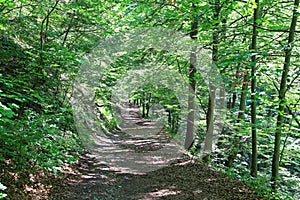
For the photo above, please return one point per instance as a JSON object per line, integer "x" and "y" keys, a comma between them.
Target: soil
{"x": 140, "y": 161}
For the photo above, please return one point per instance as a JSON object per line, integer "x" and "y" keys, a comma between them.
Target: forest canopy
{"x": 252, "y": 45}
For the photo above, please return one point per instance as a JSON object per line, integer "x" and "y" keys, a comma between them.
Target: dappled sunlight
{"x": 160, "y": 193}
{"x": 140, "y": 147}
{"x": 128, "y": 165}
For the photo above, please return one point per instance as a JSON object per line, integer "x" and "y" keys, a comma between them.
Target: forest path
{"x": 142, "y": 162}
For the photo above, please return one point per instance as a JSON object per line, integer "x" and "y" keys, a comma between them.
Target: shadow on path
{"x": 142, "y": 162}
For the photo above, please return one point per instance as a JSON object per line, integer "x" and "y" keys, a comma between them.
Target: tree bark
{"x": 191, "y": 102}
{"x": 210, "y": 117}
{"x": 192, "y": 87}
{"x": 253, "y": 49}
{"x": 243, "y": 99}
{"x": 281, "y": 97}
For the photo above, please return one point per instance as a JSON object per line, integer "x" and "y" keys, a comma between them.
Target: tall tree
{"x": 192, "y": 83}
{"x": 253, "y": 50}
{"x": 282, "y": 96}
{"x": 212, "y": 96}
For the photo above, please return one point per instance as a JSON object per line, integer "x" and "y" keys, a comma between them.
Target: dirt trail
{"x": 142, "y": 162}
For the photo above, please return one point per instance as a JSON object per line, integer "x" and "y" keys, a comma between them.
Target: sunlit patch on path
{"x": 141, "y": 162}
{"x": 141, "y": 145}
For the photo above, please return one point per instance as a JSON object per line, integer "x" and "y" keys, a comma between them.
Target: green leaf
{"x": 6, "y": 111}
{"x": 10, "y": 4}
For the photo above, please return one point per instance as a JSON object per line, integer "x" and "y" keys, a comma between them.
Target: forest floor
{"x": 141, "y": 162}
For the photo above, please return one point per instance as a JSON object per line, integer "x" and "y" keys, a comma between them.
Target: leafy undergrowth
{"x": 35, "y": 150}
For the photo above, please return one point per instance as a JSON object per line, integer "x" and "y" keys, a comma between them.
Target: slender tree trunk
{"x": 143, "y": 104}
{"x": 147, "y": 109}
{"x": 234, "y": 97}
{"x": 210, "y": 117}
{"x": 243, "y": 99}
{"x": 281, "y": 97}
{"x": 212, "y": 104}
{"x": 208, "y": 143}
{"x": 253, "y": 91}
{"x": 192, "y": 83}
{"x": 191, "y": 102}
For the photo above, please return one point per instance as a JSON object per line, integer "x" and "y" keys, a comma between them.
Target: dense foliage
{"x": 254, "y": 44}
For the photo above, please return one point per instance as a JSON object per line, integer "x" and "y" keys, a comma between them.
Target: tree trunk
{"x": 253, "y": 91}
{"x": 191, "y": 102}
{"x": 281, "y": 97}
{"x": 208, "y": 145}
{"x": 192, "y": 83}
{"x": 243, "y": 99}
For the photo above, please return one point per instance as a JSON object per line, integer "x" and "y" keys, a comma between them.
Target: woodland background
{"x": 254, "y": 44}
